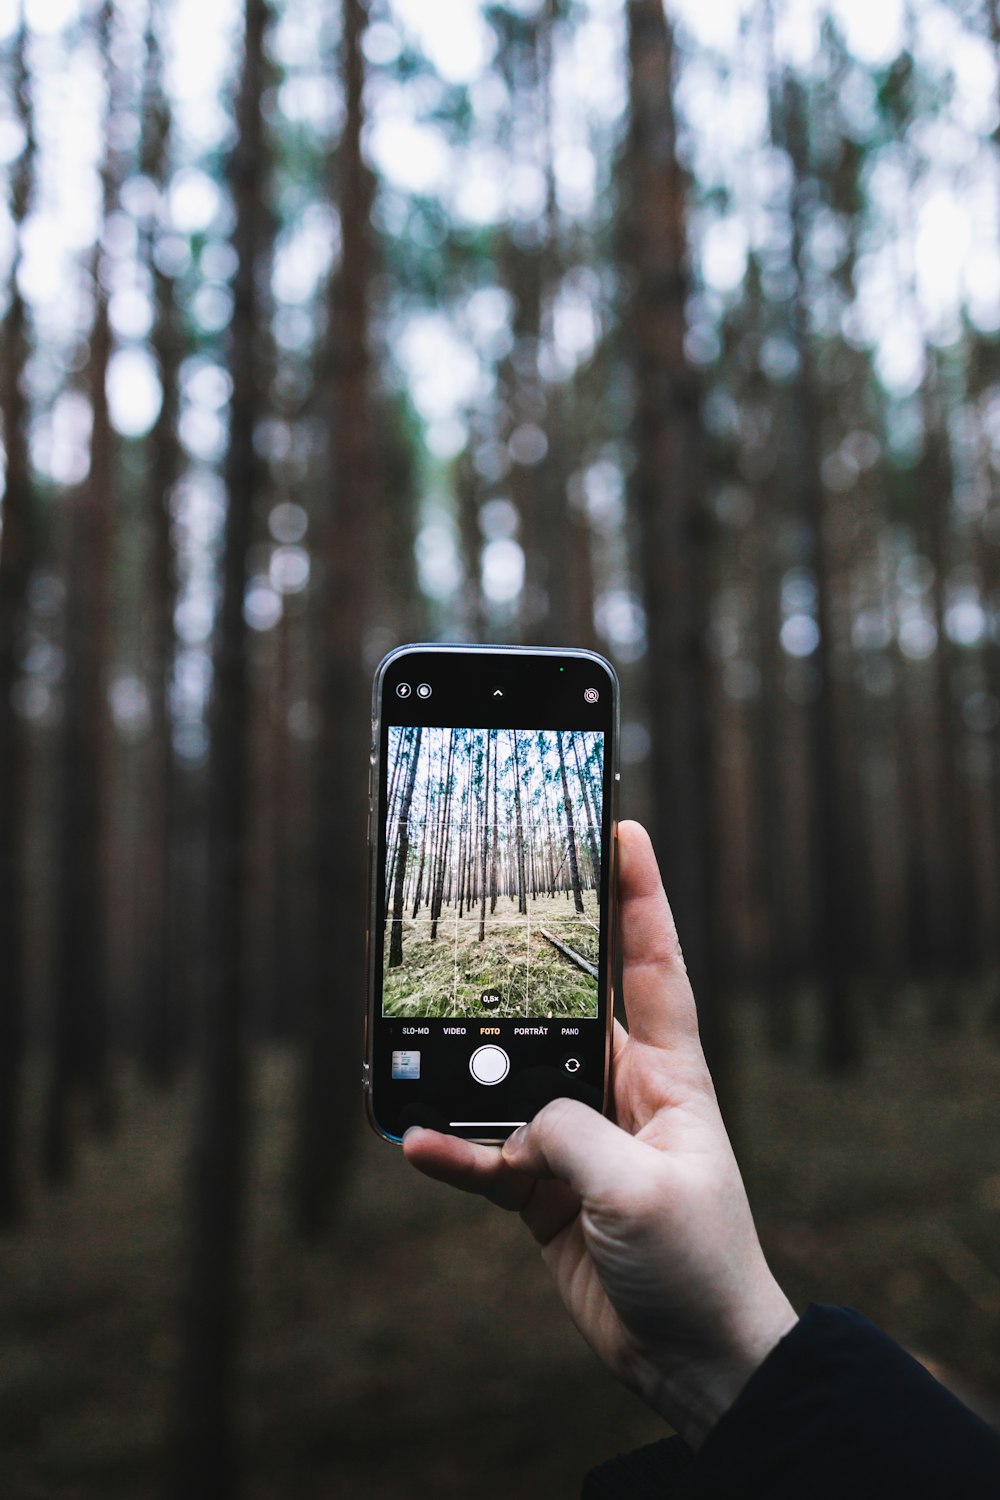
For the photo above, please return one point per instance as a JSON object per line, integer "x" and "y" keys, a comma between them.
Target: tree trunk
{"x": 81, "y": 969}
{"x": 159, "y": 1039}
{"x": 833, "y": 910}
{"x": 574, "y": 865}
{"x": 668, "y": 495}
{"x": 486, "y": 842}
{"x": 15, "y": 571}
{"x": 444, "y": 839}
{"x": 396, "y": 937}
{"x": 202, "y": 1458}
{"x": 956, "y": 891}
{"x": 496, "y": 824}
{"x": 522, "y": 884}
{"x": 423, "y": 847}
{"x": 332, "y": 1032}
{"x": 585, "y": 792}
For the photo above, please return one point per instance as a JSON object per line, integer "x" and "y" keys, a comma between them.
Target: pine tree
{"x": 15, "y": 568}
{"x": 331, "y": 1038}
{"x": 159, "y": 1030}
{"x": 403, "y": 844}
{"x": 202, "y": 1456}
{"x": 671, "y": 520}
{"x": 80, "y": 999}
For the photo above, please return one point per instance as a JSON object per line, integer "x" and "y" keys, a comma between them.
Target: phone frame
{"x": 611, "y": 780}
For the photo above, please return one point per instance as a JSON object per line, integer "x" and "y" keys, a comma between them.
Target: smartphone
{"x": 494, "y": 774}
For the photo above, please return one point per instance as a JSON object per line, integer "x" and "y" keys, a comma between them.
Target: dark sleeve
{"x": 836, "y": 1410}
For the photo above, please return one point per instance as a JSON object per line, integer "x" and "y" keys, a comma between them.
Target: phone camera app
{"x": 493, "y": 873}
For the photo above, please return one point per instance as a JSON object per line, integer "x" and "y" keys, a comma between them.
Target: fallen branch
{"x": 571, "y": 954}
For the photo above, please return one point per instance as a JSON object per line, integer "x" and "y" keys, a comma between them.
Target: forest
{"x": 493, "y": 872}
{"x": 665, "y": 328}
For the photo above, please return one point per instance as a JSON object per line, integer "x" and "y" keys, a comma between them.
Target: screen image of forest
{"x": 493, "y": 872}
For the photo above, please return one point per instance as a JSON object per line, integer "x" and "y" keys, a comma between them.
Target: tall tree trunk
{"x": 668, "y": 494}
{"x": 574, "y": 864}
{"x": 463, "y": 858}
{"x": 444, "y": 839}
{"x": 550, "y": 873}
{"x": 332, "y": 1033}
{"x": 467, "y": 494}
{"x": 81, "y": 940}
{"x": 956, "y": 889}
{"x": 15, "y": 570}
{"x": 833, "y": 911}
{"x": 160, "y": 1038}
{"x": 991, "y": 586}
{"x": 486, "y": 842}
{"x": 403, "y": 840}
{"x": 521, "y": 269}
{"x": 585, "y": 791}
{"x": 202, "y": 1457}
{"x": 522, "y": 884}
{"x": 436, "y": 836}
{"x": 496, "y": 824}
{"x": 989, "y": 552}
{"x": 284, "y": 973}
{"x": 423, "y": 847}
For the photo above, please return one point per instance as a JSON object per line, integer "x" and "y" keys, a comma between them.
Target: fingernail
{"x": 515, "y": 1141}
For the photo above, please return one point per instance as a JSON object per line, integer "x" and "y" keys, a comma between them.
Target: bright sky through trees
{"x": 927, "y": 244}
{"x": 951, "y": 242}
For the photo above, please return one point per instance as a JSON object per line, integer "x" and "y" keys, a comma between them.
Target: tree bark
{"x": 496, "y": 824}
{"x": 160, "y": 1040}
{"x": 332, "y": 1031}
{"x": 522, "y": 884}
{"x": 203, "y": 1447}
{"x": 956, "y": 892}
{"x": 444, "y": 847}
{"x": 486, "y": 842}
{"x": 15, "y": 570}
{"x": 574, "y": 864}
{"x": 668, "y": 497}
{"x": 585, "y": 791}
{"x": 403, "y": 840}
{"x": 833, "y": 911}
{"x": 81, "y": 942}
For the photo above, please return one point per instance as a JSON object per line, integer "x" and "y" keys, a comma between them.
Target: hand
{"x": 643, "y": 1223}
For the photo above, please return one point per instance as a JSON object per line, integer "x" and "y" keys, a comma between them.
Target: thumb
{"x": 572, "y": 1142}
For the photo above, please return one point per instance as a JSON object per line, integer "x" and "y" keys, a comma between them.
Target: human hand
{"x": 643, "y": 1223}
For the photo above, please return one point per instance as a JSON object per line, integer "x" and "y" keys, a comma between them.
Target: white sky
{"x": 951, "y": 182}
{"x": 929, "y": 249}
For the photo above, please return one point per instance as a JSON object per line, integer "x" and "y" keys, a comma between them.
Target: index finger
{"x": 659, "y": 1002}
{"x": 466, "y": 1165}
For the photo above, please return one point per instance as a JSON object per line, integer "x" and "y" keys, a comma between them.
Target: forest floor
{"x": 421, "y": 1351}
{"x": 447, "y": 975}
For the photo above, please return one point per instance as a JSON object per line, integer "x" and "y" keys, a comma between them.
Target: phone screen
{"x": 489, "y": 946}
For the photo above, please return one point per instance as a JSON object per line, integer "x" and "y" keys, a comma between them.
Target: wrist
{"x": 693, "y": 1391}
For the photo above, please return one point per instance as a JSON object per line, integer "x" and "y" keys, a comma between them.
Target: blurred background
{"x": 326, "y": 326}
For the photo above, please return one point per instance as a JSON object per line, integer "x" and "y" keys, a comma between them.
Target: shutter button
{"x": 489, "y": 1064}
